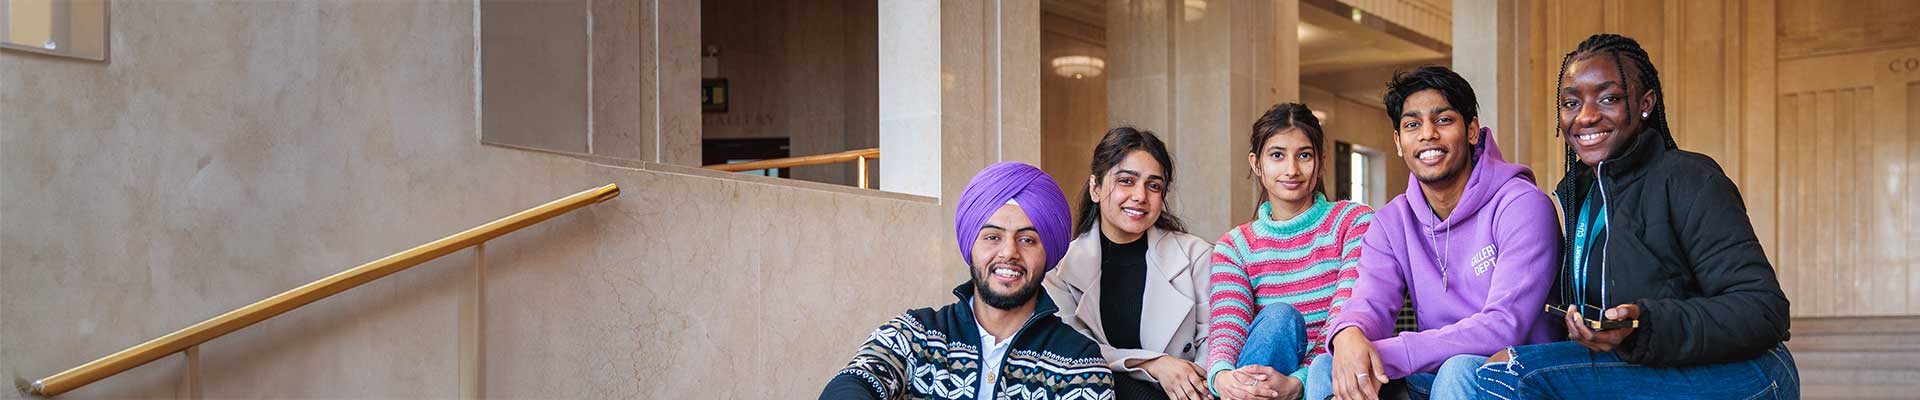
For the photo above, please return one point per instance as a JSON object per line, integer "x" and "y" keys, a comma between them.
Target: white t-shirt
{"x": 992, "y": 351}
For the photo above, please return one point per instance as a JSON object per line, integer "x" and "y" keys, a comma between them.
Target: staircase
{"x": 1857, "y": 357}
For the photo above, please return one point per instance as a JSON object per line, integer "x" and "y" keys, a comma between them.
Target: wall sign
{"x": 1908, "y": 64}
{"x": 713, "y": 95}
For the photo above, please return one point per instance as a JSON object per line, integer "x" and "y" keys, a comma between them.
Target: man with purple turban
{"x": 1001, "y": 340}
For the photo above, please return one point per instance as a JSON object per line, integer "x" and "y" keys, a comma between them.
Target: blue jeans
{"x": 1454, "y": 379}
{"x": 1566, "y": 370}
{"x": 1277, "y": 338}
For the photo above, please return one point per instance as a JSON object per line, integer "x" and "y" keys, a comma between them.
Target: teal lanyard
{"x": 1583, "y": 235}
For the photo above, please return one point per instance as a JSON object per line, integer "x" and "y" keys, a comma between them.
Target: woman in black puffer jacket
{"x": 1654, "y": 235}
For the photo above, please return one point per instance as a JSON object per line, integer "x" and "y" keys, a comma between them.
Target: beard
{"x": 1005, "y": 301}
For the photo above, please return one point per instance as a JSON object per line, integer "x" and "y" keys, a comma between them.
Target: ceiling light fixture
{"x": 1078, "y": 67}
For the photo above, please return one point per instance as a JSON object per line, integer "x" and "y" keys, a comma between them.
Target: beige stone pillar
{"x": 1198, "y": 73}
{"x": 586, "y": 76}
{"x": 958, "y": 91}
{"x": 1490, "y": 44}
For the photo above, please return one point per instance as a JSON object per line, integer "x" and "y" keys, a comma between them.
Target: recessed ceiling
{"x": 1336, "y": 53}
{"x": 1332, "y": 43}
{"x": 1090, "y": 12}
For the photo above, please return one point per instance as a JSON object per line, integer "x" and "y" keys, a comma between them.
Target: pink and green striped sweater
{"x": 1309, "y": 262}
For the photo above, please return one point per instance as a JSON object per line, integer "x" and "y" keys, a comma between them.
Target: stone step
{"x": 1875, "y": 342}
{"x": 1849, "y": 360}
{"x": 1857, "y": 358}
{"x": 1887, "y": 376}
{"x": 1880, "y": 391}
{"x": 1856, "y": 325}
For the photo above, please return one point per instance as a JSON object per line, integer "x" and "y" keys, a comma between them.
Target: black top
{"x": 1678, "y": 244}
{"x": 1123, "y": 281}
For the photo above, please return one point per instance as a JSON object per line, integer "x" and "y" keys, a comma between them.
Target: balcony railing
{"x": 859, "y": 157}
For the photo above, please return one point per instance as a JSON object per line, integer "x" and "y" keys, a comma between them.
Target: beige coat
{"x": 1173, "y": 312}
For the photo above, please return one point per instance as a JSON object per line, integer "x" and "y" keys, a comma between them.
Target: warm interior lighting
{"x": 1196, "y": 9}
{"x": 30, "y": 22}
{"x": 1077, "y": 67}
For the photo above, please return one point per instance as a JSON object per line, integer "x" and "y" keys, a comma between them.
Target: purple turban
{"x": 1026, "y": 186}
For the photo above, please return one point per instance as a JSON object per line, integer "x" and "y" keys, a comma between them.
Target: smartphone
{"x": 1596, "y": 325}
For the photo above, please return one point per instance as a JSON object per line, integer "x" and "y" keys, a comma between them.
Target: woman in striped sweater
{"x": 1276, "y": 280}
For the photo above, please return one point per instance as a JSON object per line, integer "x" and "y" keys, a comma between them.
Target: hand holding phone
{"x": 1595, "y": 325}
{"x": 1580, "y": 329}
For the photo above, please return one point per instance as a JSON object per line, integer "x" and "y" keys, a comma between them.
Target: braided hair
{"x": 1624, "y": 50}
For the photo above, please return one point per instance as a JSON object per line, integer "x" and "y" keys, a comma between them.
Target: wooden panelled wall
{"x": 1813, "y": 107}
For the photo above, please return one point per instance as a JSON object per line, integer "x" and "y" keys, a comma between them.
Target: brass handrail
{"x": 859, "y": 156}
{"x": 286, "y": 301}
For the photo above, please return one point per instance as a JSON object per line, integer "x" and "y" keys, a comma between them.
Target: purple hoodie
{"x": 1478, "y": 279}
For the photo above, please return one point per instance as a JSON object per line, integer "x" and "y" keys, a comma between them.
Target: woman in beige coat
{"x": 1136, "y": 285}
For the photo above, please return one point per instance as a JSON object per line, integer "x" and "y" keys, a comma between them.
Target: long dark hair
{"x": 1114, "y": 147}
{"x": 1279, "y": 118}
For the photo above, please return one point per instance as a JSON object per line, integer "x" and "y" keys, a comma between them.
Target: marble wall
{"x": 1495, "y": 59}
{"x": 1200, "y": 77}
{"x": 961, "y": 95}
{"x": 231, "y": 150}
{"x": 1073, "y": 111}
{"x": 1360, "y": 123}
{"x": 597, "y": 77}
{"x": 803, "y": 70}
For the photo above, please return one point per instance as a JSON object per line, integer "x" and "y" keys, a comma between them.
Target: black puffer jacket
{"x": 1679, "y": 245}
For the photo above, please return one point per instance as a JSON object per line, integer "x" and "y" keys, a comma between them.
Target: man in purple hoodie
{"x": 1473, "y": 242}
